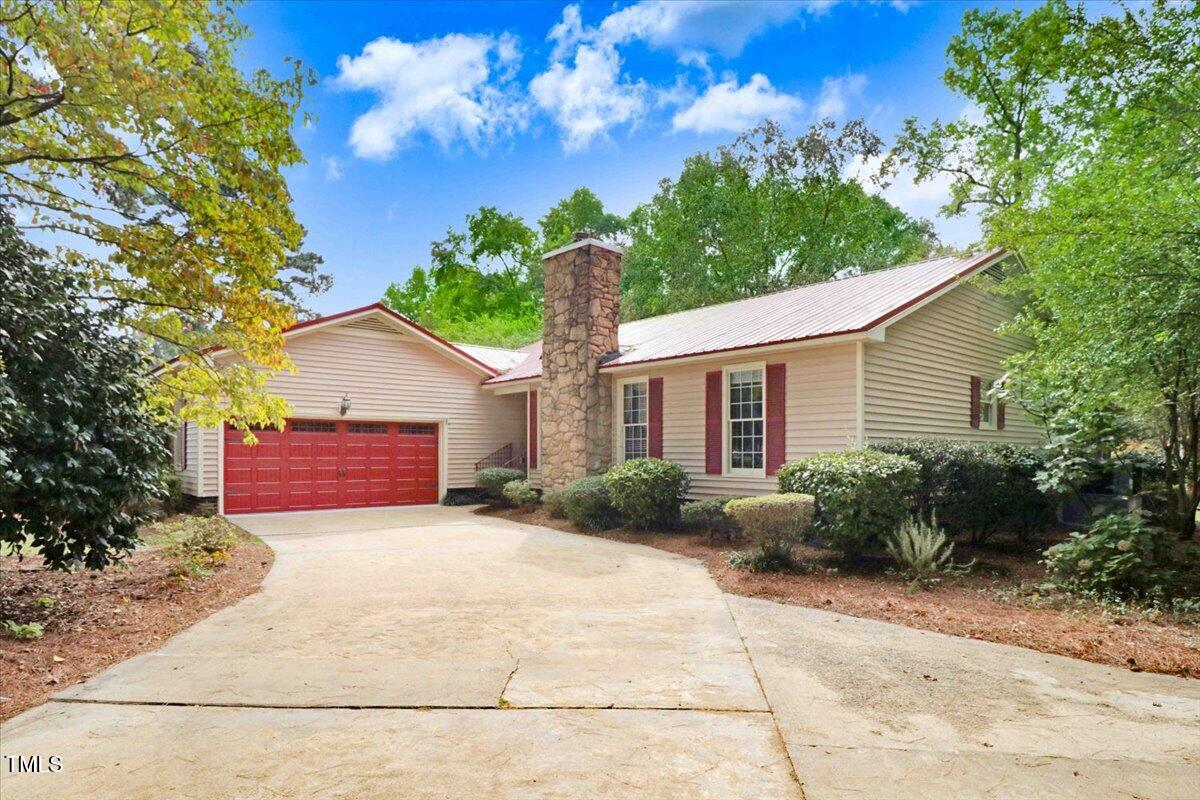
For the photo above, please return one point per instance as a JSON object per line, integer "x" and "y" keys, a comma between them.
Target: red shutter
{"x": 776, "y": 415}
{"x": 975, "y": 401}
{"x": 712, "y": 423}
{"x": 655, "y": 417}
{"x": 533, "y": 424}
{"x": 1000, "y": 415}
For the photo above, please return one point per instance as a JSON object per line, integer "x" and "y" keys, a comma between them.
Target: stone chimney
{"x": 579, "y": 328}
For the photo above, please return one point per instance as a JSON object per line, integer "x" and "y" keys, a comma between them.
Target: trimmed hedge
{"x": 976, "y": 488}
{"x": 586, "y": 503}
{"x": 709, "y": 515}
{"x": 861, "y": 495}
{"x": 493, "y": 479}
{"x": 775, "y": 522}
{"x": 521, "y": 493}
{"x": 648, "y": 491}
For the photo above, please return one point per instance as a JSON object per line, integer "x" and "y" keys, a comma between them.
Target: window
{"x": 179, "y": 447}
{"x": 368, "y": 427}
{"x": 635, "y": 428}
{"x": 313, "y": 426}
{"x": 987, "y": 406}
{"x": 745, "y": 419}
{"x": 417, "y": 429}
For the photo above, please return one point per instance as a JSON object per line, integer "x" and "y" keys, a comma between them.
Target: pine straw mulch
{"x": 97, "y": 619}
{"x": 1004, "y": 599}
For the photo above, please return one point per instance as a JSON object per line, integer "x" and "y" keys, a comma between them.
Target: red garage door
{"x": 331, "y": 464}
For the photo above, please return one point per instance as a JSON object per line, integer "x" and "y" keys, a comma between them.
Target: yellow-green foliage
{"x": 774, "y": 522}
{"x": 196, "y": 545}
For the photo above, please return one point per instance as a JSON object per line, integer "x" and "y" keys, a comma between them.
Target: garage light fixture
{"x": 345, "y": 407}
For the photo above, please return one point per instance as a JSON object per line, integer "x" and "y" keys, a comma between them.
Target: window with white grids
{"x": 635, "y": 417}
{"x": 745, "y": 419}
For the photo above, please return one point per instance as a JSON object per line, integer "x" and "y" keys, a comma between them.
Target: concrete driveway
{"x": 431, "y": 653}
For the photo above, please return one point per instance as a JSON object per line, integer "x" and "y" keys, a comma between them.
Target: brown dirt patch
{"x": 1000, "y": 601}
{"x": 99, "y": 618}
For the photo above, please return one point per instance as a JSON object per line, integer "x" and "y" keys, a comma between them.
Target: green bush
{"x": 552, "y": 502}
{"x": 521, "y": 493}
{"x": 648, "y": 491}
{"x": 586, "y": 503}
{"x": 775, "y": 523}
{"x": 492, "y": 481}
{"x": 861, "y": 495}
{"x": 709, "y": 515}
{"x": 21, "y": 631}
{"x": 977, "y": 489}
{"x": 1119, "y": 556}
{"x": 196, "y": 545}
{"x": 465, "y": 497}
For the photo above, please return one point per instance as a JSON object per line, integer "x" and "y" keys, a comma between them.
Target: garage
{"x": 318, "y": 464}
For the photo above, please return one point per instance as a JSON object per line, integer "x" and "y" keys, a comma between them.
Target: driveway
{"x": 431, "y": 653}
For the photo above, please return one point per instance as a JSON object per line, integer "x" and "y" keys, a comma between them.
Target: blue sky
{"x": 424, "y": 112}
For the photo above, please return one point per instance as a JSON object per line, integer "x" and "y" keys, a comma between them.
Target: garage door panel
{"x": 331, "y": 464}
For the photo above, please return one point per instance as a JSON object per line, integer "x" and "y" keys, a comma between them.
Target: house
{"x": 385, "y": 412}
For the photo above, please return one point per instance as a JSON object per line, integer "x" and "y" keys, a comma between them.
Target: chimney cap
{"x": 585, "y": 243}
{"x": 583, "y": 234}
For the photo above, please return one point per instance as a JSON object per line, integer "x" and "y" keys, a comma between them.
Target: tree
{"x": 128, "y": 135}
{"x": 485, "y": 284}
{"x": 764, "y": 213}
{"x": 80, "y": 450}
{"x": 1105, "y": 216}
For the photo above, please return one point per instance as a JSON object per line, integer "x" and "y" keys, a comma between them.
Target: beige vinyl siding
{"x": 199, "y": 478}
{"x": 917, "y": 382}
{"x": 391, "y": 375}
{"x": 821, "y": 412}
{"x": 189, "y": 476}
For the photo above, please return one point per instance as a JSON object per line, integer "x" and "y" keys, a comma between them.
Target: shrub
{"x": 775, "y": 523}
{"x": 586, "y": 503}
{"x": 977, "y": 488}
{"x": 520, "y": 493}
{"x": 465, "y": 497}
{"x": 709, "y": 515}
{"x": 196, "y": 545}
{"x": 861, "y": 495}
{"x": 552, "y": 502}
{"x": 492, "y": 481}
{"x": 22, "y": 631}
{"x": 920, "y": 548}
{"x": 648, "y": 491}
{"x": 1120, "y": 555}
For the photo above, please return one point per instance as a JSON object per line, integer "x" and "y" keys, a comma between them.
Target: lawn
{"x": 91, "y": 620}
{"x": 1004, "y": 598}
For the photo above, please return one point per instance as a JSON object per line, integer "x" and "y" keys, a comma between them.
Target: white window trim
{"x": 741, "y": 472}
{"x": 619, "y": 413}
{"x": 985, "y": 388}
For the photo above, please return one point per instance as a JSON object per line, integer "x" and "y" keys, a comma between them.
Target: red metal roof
{"x": 830, "y": 308}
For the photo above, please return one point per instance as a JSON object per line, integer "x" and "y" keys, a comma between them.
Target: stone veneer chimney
{"x": 579, "y": 328}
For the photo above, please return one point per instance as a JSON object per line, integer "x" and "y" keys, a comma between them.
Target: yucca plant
{"x": 920, "y": 548}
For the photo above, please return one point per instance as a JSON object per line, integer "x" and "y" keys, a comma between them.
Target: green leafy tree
{"x": 764, "y": 213}
{"x": 130, "y": 138}
{"x": 485, "y": 284}
{"x": 1100, "y": 197}
{"x": 80, "y": 450}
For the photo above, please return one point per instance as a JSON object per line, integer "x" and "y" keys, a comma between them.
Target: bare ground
{"x": 1001, "y": 600}
{"x": 95, "y": 619}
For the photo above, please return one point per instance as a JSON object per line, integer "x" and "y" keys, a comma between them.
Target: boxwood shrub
{"x": 586, "y": 503}
{"x": 976, "y": 488}
{"x": 648, "y": 491}
{"x": 775, "y": 523}
{"x": 521, "y": 493}
{"x": 861, "y": 495}
{"x": 709, "y": 515}
{"x": 492, "y": 481}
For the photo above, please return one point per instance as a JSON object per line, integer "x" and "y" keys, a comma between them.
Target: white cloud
{"x": 728, "y": 107}
{"x": 333, "y": 168}
{"x": 923, "y": 199}
{"x": 589, "y": 97}
{"x": 454, "y": 88}
{"x": 722, "y": 25}
{"x": 836, "y": 94}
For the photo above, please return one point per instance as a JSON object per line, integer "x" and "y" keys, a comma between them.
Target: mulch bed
{"x": 999, "y": 601}
{"x": 99, "y": 618}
